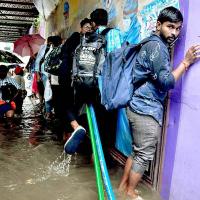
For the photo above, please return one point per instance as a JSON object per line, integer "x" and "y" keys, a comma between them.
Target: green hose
{"x": 96, "y": 159}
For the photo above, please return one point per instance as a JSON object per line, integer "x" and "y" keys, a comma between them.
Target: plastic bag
{"x": 123, "y": 134}
{"x": 34, "y": 84}
{"x": 47, "y": 91}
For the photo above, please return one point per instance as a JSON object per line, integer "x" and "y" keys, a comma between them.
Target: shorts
{"x": 5, "y": 107}
{"x": 146, "y": 133}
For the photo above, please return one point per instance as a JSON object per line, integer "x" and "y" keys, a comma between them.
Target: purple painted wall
{"x": 180, "y": 178}
{"x": 186, "y": 177}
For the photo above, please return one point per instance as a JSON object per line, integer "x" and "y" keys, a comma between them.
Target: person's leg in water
{"x": 41, "y": 81}
{"x": 124, "y": 180}
{"x": 48, "y": 104}
{"x": 134, "y": 179}
{"x": 9, "y": 119}
{"x": 146, "y": 132}
{"x": 123, "y": 186}
{"x": 19, "y": 104}
{"x": 125, "y": 177}
{"x": 10, "y": 114}
{"x": 48, "y": 110}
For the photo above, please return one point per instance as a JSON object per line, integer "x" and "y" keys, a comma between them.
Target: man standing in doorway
{"x": 145, "y": 110}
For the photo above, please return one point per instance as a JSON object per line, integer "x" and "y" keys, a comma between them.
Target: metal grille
{"x": 16, "y": 17}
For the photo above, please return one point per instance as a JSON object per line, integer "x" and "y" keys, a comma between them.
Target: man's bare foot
{"x": 137, "y": 192}
{"x": 133, "y": 195}
{"x": 122, "y": 188}
{"x": 137, "y": 198}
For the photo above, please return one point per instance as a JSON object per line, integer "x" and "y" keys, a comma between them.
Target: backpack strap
{"x": 105, "y": 31}
{"x": 43, "y": 57}
{"x": 139, "y": 45}
{"x": 148, "y": 39}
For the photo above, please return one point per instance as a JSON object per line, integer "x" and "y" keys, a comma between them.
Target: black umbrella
{"x": 7, "y": 57}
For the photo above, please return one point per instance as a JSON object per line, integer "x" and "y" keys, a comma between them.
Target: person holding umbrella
{"x": 28, "y": 45}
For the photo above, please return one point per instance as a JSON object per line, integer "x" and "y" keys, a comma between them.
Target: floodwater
{"x": 34, "y": 167}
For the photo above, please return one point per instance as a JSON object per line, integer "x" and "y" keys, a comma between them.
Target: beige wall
{"x": 79, "y": 9}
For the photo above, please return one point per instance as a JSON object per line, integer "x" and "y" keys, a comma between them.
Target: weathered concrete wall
{"x": 79, "y": 9}
{"x": 136, "y": 19}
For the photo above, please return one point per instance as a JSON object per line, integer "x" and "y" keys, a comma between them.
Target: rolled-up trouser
{"x": 146, "y": 132}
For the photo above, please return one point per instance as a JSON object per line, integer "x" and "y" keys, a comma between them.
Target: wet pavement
{"x": 34, "y": 167}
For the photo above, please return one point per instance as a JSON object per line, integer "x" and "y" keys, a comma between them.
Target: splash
{"x": 59, "y": 167}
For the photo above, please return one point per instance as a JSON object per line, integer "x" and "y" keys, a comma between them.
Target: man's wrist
{"x": 185, "y": 64}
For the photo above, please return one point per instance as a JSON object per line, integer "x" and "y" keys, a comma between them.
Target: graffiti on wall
{"x": 149, "y": 13}
{"x": 136, "y": 19}
{"x": 123, "y": 15}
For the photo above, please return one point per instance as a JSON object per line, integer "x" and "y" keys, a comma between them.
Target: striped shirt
{"x": 6, "y": 81}
{"x": 20, "y": 81}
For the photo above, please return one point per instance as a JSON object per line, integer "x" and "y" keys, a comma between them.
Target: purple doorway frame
{"x": 174, "y": 112}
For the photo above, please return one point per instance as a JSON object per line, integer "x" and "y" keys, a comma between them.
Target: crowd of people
{"x": 63, "y": 99}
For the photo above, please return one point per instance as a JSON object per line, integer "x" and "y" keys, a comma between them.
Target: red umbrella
{"x": 28, "y": 45}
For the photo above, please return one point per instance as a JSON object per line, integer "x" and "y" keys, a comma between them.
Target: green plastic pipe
{"x": 99, "y": 181}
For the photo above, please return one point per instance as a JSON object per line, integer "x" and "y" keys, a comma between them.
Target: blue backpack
{"x": 117, "y": 75}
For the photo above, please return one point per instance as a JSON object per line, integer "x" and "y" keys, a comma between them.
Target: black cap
{"x": 3, "y": 68}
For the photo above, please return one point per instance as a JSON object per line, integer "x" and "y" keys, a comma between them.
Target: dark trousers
{"x": 106, "y": 120}
{"x": 19, "y": 103}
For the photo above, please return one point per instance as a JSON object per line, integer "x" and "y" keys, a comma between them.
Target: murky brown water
{"x": 33, "y": 166}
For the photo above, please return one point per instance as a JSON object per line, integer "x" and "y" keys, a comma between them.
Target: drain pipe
{"x": 104, "y": 170}
{"x": 99, "y": 181}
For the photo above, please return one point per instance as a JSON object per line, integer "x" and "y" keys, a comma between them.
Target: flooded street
{"x": 34, "y": 167}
